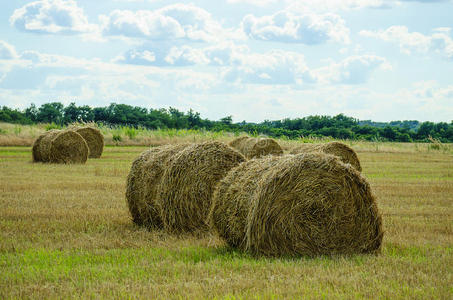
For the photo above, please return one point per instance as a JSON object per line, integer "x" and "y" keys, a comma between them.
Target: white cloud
{"x": 431, "y": 89}
{"x": 7, "y": 51}
{"x": 352, "y": 70}
{"x": 409, "y": 42}
{"x": 136, "y": 57}
{"x": 51, "y": 16}
{"x": 332, "y": 5}
{"x": 242, "y": 66}
{"x": 321, "y": 5}
{"x": 254, "y": 2}
{"x": 165, "y": 54}
{"x": 425, "y": 1}
{"x": 186, "y": 55}
{"x": 178, "y": 21}
{"x": 142, "y": 24}
{"x": 273, "y": 67}
{"x": 287, "y": 27}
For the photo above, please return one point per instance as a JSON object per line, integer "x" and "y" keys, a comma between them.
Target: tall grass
{"x": 24, "y": 135}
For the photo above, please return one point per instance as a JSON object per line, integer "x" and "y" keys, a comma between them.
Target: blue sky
{"x": 252, "y": 59}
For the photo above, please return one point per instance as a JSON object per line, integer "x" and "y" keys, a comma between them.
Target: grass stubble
{"x": 65, "y": 232}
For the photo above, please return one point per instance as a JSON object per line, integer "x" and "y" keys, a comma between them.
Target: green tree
{"x": 228, "y": 120}
{"x": 32, "y": 112}
{"x": 51, "y": 113}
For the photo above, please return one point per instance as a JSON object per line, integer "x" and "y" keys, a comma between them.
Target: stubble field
{"x": 65, "y": 232}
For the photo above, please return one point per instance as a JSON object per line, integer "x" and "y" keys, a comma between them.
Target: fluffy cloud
{"x": 242, "y": 66}
{"x": 352, "y": 70}
{"x": 431, "y": 90}
{"x": 176, "y": 21}
{"x": 439, "y": 41}
{"x": 425, "y": 1}
{"x": 273, "y": 67}
{"x": 332, "y": 5}
{"x": 307, "y": 28}
{"x": 7, "y": 51}
{"x": 322, "y": 5}
{"x": 51, "y": 16}
{"x": 165, "y": 55}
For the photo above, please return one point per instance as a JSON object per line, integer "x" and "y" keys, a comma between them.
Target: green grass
{"x": 65, "y": 232}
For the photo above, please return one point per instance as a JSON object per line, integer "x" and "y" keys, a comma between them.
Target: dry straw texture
{"x": 256, "y": 147}
{"x": 344, "y": 152}
{"x": 306, "y": 204}
{"x": 94, "y": 139}
{"x": 142, "y": 184}
{"x": 187, "y": 185}
{"x": 58, "y": 146}
{"x": 231, "y": 200}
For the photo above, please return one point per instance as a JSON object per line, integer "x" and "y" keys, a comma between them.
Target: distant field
{"x": 25, "y": 135}
{"x": 65, "y": 232}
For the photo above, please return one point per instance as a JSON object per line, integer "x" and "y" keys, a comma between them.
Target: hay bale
{"x": 231, "y": 202}
{"x": 256, "y": 147}
{"x": 344, "y": 152}
{"x": 94, "y": 139}
{"x": 234, "y": 143}
{"x": 135, "y": 187}
{"x": 307, "y": 204}
{"x": 60, "y": 146}
{"x": 187, "y": 185}
{"x": 36, "y": 150}
{"x": 142, "y": 184}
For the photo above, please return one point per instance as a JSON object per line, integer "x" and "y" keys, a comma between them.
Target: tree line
{"x": 338, "y": 127}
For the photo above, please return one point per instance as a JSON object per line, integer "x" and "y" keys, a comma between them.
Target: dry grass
{"x": 25, "y": 135}
{"x": 65, "y": 232}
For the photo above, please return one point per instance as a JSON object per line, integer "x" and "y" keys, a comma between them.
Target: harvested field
{"x": 66, "y": 232}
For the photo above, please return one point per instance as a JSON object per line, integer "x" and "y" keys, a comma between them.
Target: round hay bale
{"x": 256, "y": 147}
{"x": 187, "y": 185}
{"x": 142, "y": 184}
{"x": 60, "y": 146}
{"x": 234, "y": 143}
{"x": 344, "y": 152}
{"x": 94, "y": 139}
{"x": 135, "y": 187}
{"x": 36, "y": 150}
{"x": 307, "y": 204}
{"x": 231, "y": 202}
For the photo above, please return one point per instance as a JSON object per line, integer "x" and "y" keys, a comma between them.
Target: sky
{"x": 252, "y": 59}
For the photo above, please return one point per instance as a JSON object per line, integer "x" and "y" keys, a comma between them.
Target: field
{"x": 65, "y": 232}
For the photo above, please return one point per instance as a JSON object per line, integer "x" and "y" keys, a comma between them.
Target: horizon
{"x": 372, "y": 60}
